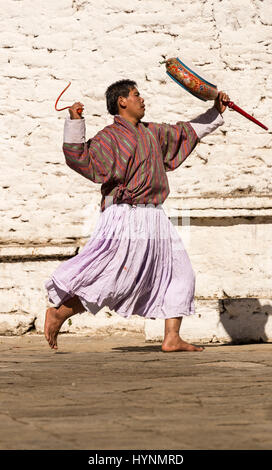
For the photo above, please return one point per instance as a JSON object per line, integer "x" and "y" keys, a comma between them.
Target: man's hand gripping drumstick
{"x": 75, "y": 110}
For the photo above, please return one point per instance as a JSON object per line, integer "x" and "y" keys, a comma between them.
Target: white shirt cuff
{"x": 74, "y": 131}
{"x": 207, "y": 122}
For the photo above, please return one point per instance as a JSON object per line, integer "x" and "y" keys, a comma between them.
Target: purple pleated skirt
{"x": 134, "y": 262}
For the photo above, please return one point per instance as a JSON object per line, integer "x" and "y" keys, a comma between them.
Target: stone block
{"x": 15, "y": 323}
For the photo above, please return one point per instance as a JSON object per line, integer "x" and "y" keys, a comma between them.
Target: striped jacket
{"x": 131, "y": 162}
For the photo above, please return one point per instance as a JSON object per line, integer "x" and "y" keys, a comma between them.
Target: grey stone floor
{"x": 120, "y": 392}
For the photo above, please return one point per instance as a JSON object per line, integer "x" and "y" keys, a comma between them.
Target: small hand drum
{"x": 199, "y": 87}
{"x": 190, "y": 80}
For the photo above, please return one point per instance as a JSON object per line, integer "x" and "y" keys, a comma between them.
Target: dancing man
{"x": 135, "y": 261}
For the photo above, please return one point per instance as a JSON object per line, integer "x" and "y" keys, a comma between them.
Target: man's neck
{"x": 134, "y": 121}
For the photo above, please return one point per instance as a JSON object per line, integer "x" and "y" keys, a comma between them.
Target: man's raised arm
{"x": 91, "y": 159}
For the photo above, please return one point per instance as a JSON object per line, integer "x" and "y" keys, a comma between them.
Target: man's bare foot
{"x": 177, "y": 344}
{"x": 52, "y": 326}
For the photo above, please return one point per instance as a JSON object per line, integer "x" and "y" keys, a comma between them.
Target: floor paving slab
{"x": 121, "y": 392}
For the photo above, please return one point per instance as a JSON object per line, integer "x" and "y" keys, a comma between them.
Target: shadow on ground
{"x": 245, "y": 319}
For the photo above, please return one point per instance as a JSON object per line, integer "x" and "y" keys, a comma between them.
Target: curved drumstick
{"x": 233, "y": 106}
{"x": 79, "y": 110}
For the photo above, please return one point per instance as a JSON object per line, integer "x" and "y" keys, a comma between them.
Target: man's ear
{"x": 122, "y": 101}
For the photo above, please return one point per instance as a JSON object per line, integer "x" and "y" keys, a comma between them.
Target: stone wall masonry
{"x": 48, "y": 212}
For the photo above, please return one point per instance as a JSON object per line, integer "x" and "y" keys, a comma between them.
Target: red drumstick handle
{"x": 233, "y": 106}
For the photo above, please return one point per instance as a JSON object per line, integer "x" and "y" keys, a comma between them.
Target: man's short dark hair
{"x": 120, "y": 88}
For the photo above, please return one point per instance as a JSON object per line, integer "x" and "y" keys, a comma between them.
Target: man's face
{"x": 133, "y": 105}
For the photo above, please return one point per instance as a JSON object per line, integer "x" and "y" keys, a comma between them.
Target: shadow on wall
{"x": 244, "y": 319}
